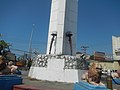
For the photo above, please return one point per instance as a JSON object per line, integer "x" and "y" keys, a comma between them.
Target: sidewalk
{"x": 45, "y": 85}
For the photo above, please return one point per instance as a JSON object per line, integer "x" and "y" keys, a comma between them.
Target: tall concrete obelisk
{"x": 60, "y": 63}
{"x": 63, "y": 27}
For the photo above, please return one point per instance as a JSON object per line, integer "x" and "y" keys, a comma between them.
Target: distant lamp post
{"x": 30, "y": 43}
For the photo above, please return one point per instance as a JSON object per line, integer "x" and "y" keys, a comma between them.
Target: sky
{"x": 98, "y": 21}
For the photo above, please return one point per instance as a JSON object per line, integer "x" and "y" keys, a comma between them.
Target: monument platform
{"x": 54, "y": 68}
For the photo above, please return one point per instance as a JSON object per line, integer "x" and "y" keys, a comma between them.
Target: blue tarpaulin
{"x": 116, "y": 81}
{"x": 7, "y": 81}
{"x": 82, "y": 85}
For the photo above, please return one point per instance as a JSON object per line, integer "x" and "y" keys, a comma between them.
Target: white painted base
{"x": 55, "y": 72}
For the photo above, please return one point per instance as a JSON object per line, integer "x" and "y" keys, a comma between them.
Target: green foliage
{"x": 92, "y": 57}
{"x": 4, "y": 44}
{"x": 4, "y": 48}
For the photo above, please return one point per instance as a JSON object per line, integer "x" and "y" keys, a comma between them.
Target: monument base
{"x": 55, "y": 71}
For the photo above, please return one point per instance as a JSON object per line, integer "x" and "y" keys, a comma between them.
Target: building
{"x": 116, "y": 47}
{"x": 100, "y": 56}
{"x": 108, "y": 64}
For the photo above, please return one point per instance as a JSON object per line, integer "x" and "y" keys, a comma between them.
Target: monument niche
{"x": 59, "y": 63}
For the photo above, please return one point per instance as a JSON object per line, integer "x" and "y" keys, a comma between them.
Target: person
{"x": 7, "y": 69}
{"x": 12, "y": 67}
{"x": 116, "y": 74}
{"x": 3, "y": 67}
{"x": 93, "y": 75}
{"x": 29, "y": 64}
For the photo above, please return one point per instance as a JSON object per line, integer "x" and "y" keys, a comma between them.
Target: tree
{"x": 92, "y": 57}
{"x": 4, "y": 47}
{"x": 4, "y": 44}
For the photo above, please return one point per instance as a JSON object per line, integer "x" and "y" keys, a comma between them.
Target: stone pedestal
{"x": 56, "y": 69}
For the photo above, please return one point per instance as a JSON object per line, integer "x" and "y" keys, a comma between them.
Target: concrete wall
{"x": 63, "y": 19}
{"x": 116, "y": 47}
{"x": 56, "y": 72}
{"x": 53, "y": 25}
{"x": 113, "y": 65}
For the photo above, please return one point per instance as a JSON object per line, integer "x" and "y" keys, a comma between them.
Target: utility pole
{"x": 1, "y": 35}
{"x": 84, "y": 49}
{"x": 30, "y": 46}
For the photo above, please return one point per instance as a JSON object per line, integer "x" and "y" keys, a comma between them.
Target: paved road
{"x": 47, "y": 85}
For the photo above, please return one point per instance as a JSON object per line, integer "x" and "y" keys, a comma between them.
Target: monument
{"x": 62, "y": 27}
{"x": 59, "y": 63}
